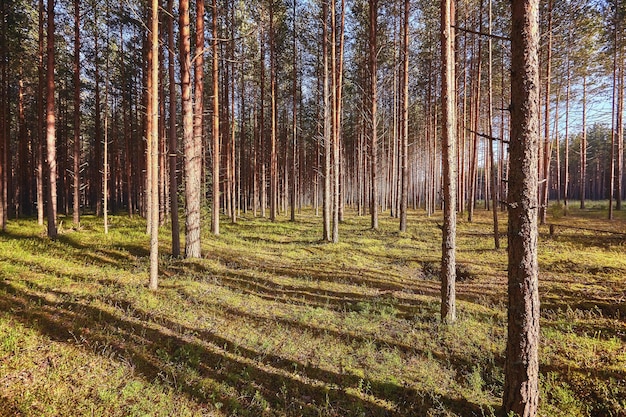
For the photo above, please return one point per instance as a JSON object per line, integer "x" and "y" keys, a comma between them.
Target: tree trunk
{"x": 521, "y": 391}
{"x": 273, "y": 126}
{"x": 39, "y": 152}
{"x": 566, "y": 150}
{"x": 51, "y": 155}
{"x": 547, "y": 151}
{"x": 492, "y": 171}
{"x": 215, "y": 208}
{"x": 405, "y": 121}
{"x": 620, "y": 133}
{"x": 198, "y": 125}
{"x": 294, "y": 131}
{"x": 373, "y": 51}
{"x": 154, "y": 138}
{"x": 448, "y": 103}
{"x": 96, "y": 191}
{"x": 76, "y": 168}
{"x": 192, "y": 175}
{"x": 173, "y": 140}
{"x": 4, "y": 116}
{"x": 326, "y": 201}
{"x": 583, "y": 147}
{"x": 614, "y": 110}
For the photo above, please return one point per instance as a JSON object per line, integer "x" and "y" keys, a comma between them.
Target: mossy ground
{"x": 274, "y": 322}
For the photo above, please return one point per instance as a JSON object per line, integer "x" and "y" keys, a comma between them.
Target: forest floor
{"x": 273, "y": 322}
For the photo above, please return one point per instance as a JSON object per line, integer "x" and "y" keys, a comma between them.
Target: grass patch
{"x": 273, "y": 322}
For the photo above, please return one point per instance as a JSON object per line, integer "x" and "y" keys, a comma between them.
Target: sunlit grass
{"x": 273, "y": 321}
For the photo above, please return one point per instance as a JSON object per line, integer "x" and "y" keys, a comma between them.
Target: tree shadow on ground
{"x": 164, "y": 350}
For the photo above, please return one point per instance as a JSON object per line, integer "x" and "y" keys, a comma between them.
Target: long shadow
{"x": 88, "y": 254}
{"x": 146, "y": 345}
{"x": 390, "y": 295}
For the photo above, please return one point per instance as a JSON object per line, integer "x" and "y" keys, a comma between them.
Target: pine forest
{"x": 312, "y": 208}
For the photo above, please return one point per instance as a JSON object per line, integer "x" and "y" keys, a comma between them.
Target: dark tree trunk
{"x": 215, "y": 208}
{"x": 76, "y": 168}
{"x": 273, "y": 116}
{"x": 154, "y": 138}
{"x": 521, "y": 390}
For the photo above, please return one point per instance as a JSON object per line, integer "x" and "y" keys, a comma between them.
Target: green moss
{"x": 273, "y": 321}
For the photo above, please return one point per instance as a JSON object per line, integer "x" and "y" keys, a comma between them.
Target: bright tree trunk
{"x": 154, "y": 139}
{"x": 373, "y": 19}
{"x": 448, "y": 103}
{"x": 492, "y": 171}
{"x": 294, "y": 125}
{"x": 404, "y": 179}
{"x": 51, "y": 155}
{"x": 547, "y": 151}
{"x": 583, "y": 147}
{"x": 173, "y": 140}
{"x": 521, "y": 390}
{"x": 326, "y": 200}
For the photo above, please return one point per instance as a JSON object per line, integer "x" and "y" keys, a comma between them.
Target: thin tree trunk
{"x": 405, "y": 121}
{"x": 521, "y": 390}
{"x": 215, "y": 208}
{"x": 154, "y": 138}
{"x": 583, "y": 147}
{"x": 566, "y": 150}
{"x": 262, "y": 145}
{"x": 557, "y": 145}
{"x": 149, "y": 120}
{"x": 473, "y": 177}
{"x": 326, "y": 200}
{"x": 105, "y": 173}
{"x": 273, "y": 126}
{"x": 294, "y": 109}
{"x": 340, "y": 183}
{"x": 614, "y": 110}
{"x": 492, "y": 171}
{"x": 4, "y": 116}
{"x": 620, "y": 133}
{"x": 547, "y": 151}
{"x": 50, "y": 129}
{"x": 336, "y": 88}
{"x": 39, "y": 152}
{"x": 373, "y": 52}
{"x": 76, "y": 168}
{"x": 173, "y": 139}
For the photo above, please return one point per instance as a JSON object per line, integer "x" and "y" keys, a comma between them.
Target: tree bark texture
{"x": 154, "y": 138}
{"x": 192, "y": 172}
{"x": 521, "y": 390}
{"x": 215, "y": 208}
{"x": 448, "y": 103}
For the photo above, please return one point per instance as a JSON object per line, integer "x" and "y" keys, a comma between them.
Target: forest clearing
{"x": 272, "y": 321}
